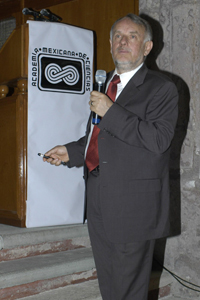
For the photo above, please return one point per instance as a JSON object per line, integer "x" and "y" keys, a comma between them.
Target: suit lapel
{"x": 132, "y": 88}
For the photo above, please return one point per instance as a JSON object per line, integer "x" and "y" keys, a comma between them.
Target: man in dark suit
{"x": 127, "y": 188}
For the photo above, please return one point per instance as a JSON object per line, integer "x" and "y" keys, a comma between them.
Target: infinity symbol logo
{"x": 55, "y": 74}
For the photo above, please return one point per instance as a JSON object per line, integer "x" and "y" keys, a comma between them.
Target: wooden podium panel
{"x": 13, "y": 141}
{"x": 14, "y": 56}
{"x": 13, "y": 127}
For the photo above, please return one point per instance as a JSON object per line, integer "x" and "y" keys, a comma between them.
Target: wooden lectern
{"x": 13, "y": 127}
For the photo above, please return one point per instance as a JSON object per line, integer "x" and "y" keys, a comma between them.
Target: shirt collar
{"x": 125, "y": 77}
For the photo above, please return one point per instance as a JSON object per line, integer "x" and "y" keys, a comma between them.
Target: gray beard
{"x": 123, "y": 67}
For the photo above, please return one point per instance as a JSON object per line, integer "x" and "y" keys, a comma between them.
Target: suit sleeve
{"x": 76, "y": 152}
{"x": 153, "y": 132}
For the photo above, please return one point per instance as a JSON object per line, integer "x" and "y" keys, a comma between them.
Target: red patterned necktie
{"x": 92, "y": 156}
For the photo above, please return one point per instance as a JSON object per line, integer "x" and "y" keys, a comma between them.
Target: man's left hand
{"x": 99, "y": 103}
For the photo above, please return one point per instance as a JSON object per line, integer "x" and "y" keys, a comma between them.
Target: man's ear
{"x": 147, "y": 48}
{"x": 110, "y": 46}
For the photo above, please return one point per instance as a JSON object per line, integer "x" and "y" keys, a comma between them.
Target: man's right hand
{"x": 57, "y": 155}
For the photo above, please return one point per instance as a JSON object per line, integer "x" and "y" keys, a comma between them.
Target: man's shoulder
{"x": 157, "y": 79}
{"x": 158, "y": 76}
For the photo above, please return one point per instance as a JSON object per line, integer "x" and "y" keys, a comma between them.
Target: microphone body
{"x": 100, "y": 78}
{"x": 37, "y": 16}
{"x": 52, "y": 17}
{"x": 44, "y": 15}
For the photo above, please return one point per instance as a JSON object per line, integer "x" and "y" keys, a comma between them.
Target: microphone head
{"x": 45, "y": 12}
{"x": 26, "y": 11}
{"x": 36, "y": 14}
{"x": 100, "y": 76}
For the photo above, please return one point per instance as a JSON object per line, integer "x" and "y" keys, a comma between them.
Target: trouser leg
{"x": 123, "y": 270}
{"x": 100, "y": 244}
{"x": 132, "y": 264}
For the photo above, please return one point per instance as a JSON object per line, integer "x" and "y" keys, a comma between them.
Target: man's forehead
{"x": 130, "y": 31}
{"x": 128, "y": 23}
{"x": 131, "y": 28}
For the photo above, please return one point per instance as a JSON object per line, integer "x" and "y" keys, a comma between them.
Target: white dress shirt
{"x": 124, "y": 79}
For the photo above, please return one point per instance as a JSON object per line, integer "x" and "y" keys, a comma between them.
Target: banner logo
{"x": 54, "y": 74}
{"x": 61, "y": 74}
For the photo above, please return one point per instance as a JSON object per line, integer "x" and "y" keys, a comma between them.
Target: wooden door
{"x": 90, "y": 14}
{"x": 99, "y": 17}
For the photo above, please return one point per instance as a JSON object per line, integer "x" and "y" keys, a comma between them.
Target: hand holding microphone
{"x": 99, "y": 102}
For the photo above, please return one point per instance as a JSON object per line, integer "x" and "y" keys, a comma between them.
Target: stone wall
{"x": 176, "y": 28}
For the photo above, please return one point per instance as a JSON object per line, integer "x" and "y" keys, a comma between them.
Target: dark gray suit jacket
{"x": 134, "y": 149}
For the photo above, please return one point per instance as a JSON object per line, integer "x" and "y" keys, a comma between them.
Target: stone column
{"x": 176, "y": 26}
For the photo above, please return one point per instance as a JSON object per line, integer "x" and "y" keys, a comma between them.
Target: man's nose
{"x": 124, "y": 40}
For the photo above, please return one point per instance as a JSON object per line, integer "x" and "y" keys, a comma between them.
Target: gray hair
{"x": 137, "y": 20}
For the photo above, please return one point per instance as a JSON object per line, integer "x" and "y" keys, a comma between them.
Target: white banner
{"x": 59, "y": 83}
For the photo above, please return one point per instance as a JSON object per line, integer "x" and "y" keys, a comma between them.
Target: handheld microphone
{"x": 100, "y": 78}
{"x": 52, "y": 17}
{"x": 37, "y": 16}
